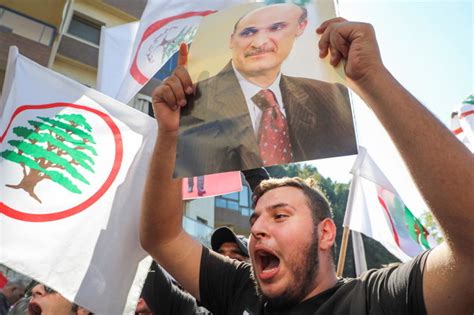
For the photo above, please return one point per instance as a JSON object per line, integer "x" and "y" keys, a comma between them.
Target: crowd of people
{"x": 291, "y": 267}
{"x": 286, "y": 266}
{"x": 28, "y": 297}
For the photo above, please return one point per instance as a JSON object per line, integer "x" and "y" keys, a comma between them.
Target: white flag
{"x": 72, "y": 163}
{"x": 466, "y": 119}
{"x": 163, "y": 26}
{"x": 116, "y": 46}
{"x": 377, "y": 210}
{"x": 458, "y": 131}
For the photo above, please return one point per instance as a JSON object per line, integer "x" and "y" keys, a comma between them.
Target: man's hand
{"x": 162, "y": 204}
{"x": 170, "y": 96}
{"x": 440, "y": 165}
{"x": 353, "y": 42}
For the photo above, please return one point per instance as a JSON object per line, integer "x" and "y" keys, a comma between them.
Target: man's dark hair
{"x": 318, "y": 204}
{"x": 303, "y": 17}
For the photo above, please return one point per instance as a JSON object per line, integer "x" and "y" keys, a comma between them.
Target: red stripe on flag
{"x": 135, "y": 72}
{"x": 465, "y": 114}
{"x": 457, "y": 131}
{"x": 395, "y": 234}
{"x": 3, "y": 280}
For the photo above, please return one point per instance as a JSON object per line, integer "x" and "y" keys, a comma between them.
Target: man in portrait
{"x": 251, "y": 115}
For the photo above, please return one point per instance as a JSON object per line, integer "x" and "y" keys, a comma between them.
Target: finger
{"x": 183, "y": 75}
{"x": 325, "y": 24}
{"x": 335, "y": 57}
{"x": 326, "y": 30}
{"x": 177, "y": 88}
{"x": 183, "y": 55}
{"x": 338, "y": 41}
{"x": 324, "y": 43}
{"x": 165, "y": 95}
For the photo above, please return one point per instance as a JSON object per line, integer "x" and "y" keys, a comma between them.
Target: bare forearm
{"x": 442, "y": 167}
{"x": 161, "y": 232}
{"x": 162, "y": 203}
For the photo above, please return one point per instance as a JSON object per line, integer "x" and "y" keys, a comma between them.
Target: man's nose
{"x": 38, "y": 290}
{"x": 260, "y": 40}
{"x": 259, "y": 228}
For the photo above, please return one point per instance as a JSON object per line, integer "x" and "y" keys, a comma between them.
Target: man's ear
{"x": 301, "y": 27}
{"x": 327, "y": 234}
{"x": 231, "y": 39}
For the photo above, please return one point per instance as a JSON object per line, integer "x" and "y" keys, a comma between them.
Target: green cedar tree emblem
{"x": 170, "y": 45}
{"x": 469, "y": 100}
{"x": 55, "y": 149}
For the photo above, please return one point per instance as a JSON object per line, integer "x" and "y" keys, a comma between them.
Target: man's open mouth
{"x": 34, "y": 309}
{"x": 268, "y": 264}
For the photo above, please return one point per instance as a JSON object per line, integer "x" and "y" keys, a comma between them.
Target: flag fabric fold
{"x": 377, "y": 211}
{"x": 73, "y": 163}
{"x": 116, "y": 45}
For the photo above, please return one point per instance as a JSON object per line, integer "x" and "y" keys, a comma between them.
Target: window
{"x": 19, "y": 24}
{"x": 233, "y": 196}
{"x": 244, "y": 197}
{"x": 234, "y": 205}
{"x": 245, "y": 211}
{"x": 221, "y": 203}
{"x": 238, "y": 201}
{"x": 84, "y": 28}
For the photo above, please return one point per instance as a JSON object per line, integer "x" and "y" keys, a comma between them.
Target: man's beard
{"x": 304, "y": 277}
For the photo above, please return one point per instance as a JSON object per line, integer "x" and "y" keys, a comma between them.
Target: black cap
{"x": 223, "y": 235}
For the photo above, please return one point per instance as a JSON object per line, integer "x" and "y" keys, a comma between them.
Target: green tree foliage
{"x": 337, "y": 194}
{"x": 56, "y": 149}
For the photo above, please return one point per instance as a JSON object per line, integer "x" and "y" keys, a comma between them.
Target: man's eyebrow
{"x": 282, "y": 23}
{"x": 279, "y": 205}
{"x": 274, "y": 207}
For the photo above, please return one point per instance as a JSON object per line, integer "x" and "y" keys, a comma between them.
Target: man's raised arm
{"x": 442, "y": 167}
{"x": 161, "y": 232}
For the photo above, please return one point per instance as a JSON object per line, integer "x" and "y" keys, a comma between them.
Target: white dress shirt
{"x": 249, "y": 90}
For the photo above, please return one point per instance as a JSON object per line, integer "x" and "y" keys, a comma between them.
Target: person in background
{"x": 10, "y": 293}
{"x": 46, "y": 301}
{"x": 225, "y": 242}
{"x": 162, "y": 295}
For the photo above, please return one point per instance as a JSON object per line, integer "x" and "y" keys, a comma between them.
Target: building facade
{"x": 64, "y": 35}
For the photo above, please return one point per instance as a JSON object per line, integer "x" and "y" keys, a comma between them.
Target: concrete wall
{"x": 238, "y": 222}
{"x": 202, "y": 208}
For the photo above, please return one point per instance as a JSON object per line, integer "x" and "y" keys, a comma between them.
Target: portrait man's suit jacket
{"x": 216, "y": 133}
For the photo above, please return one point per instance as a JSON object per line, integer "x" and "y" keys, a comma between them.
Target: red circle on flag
{"x": 23, "y": 216}
{"x": 135, "y": 72}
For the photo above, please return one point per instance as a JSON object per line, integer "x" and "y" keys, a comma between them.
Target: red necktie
{"x": 273, "y": 137}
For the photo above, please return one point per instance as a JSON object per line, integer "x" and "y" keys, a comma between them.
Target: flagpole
{"x": 345, "y": 233}
{"x": 342, "y": 252}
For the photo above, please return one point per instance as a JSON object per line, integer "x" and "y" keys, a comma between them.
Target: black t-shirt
{"x": 164, "y": 297}
{"x": 226, "y": 288}
{"x": 4, "y": 305}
